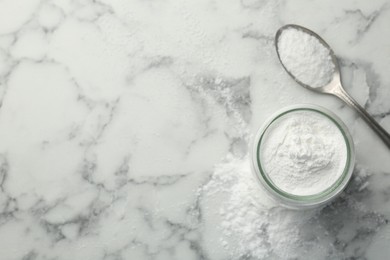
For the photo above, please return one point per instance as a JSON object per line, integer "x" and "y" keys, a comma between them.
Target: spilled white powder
{"x": 303, "y": 152}
{"x": 252, "y": 226}
{"x": 305, "y": 57}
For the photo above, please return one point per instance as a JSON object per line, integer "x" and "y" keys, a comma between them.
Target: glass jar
{"x": 303, "y": 201}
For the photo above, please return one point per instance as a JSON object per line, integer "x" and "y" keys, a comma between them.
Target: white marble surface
{"x": 114, "y": 115}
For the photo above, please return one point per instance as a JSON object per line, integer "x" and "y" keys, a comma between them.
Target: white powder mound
{"x": 305, "y": 57}
{"x": 253, "y": 227}
{"x": 303, "y": 152}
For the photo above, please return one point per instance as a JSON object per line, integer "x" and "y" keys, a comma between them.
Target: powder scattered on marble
{"x": 303, "y": 152}
{"x": 252, "y": 225}
{"x": 305, "y": 57}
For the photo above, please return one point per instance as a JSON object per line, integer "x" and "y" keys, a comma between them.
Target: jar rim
{"x": 312, "y": 199}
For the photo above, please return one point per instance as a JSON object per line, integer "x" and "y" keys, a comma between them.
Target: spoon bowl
{"x": 334, "y": 87}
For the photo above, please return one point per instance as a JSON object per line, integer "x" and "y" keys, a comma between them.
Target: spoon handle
{"x": 383, "y": 134}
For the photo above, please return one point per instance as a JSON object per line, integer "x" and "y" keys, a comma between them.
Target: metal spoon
{"x": 334, "y": 87}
